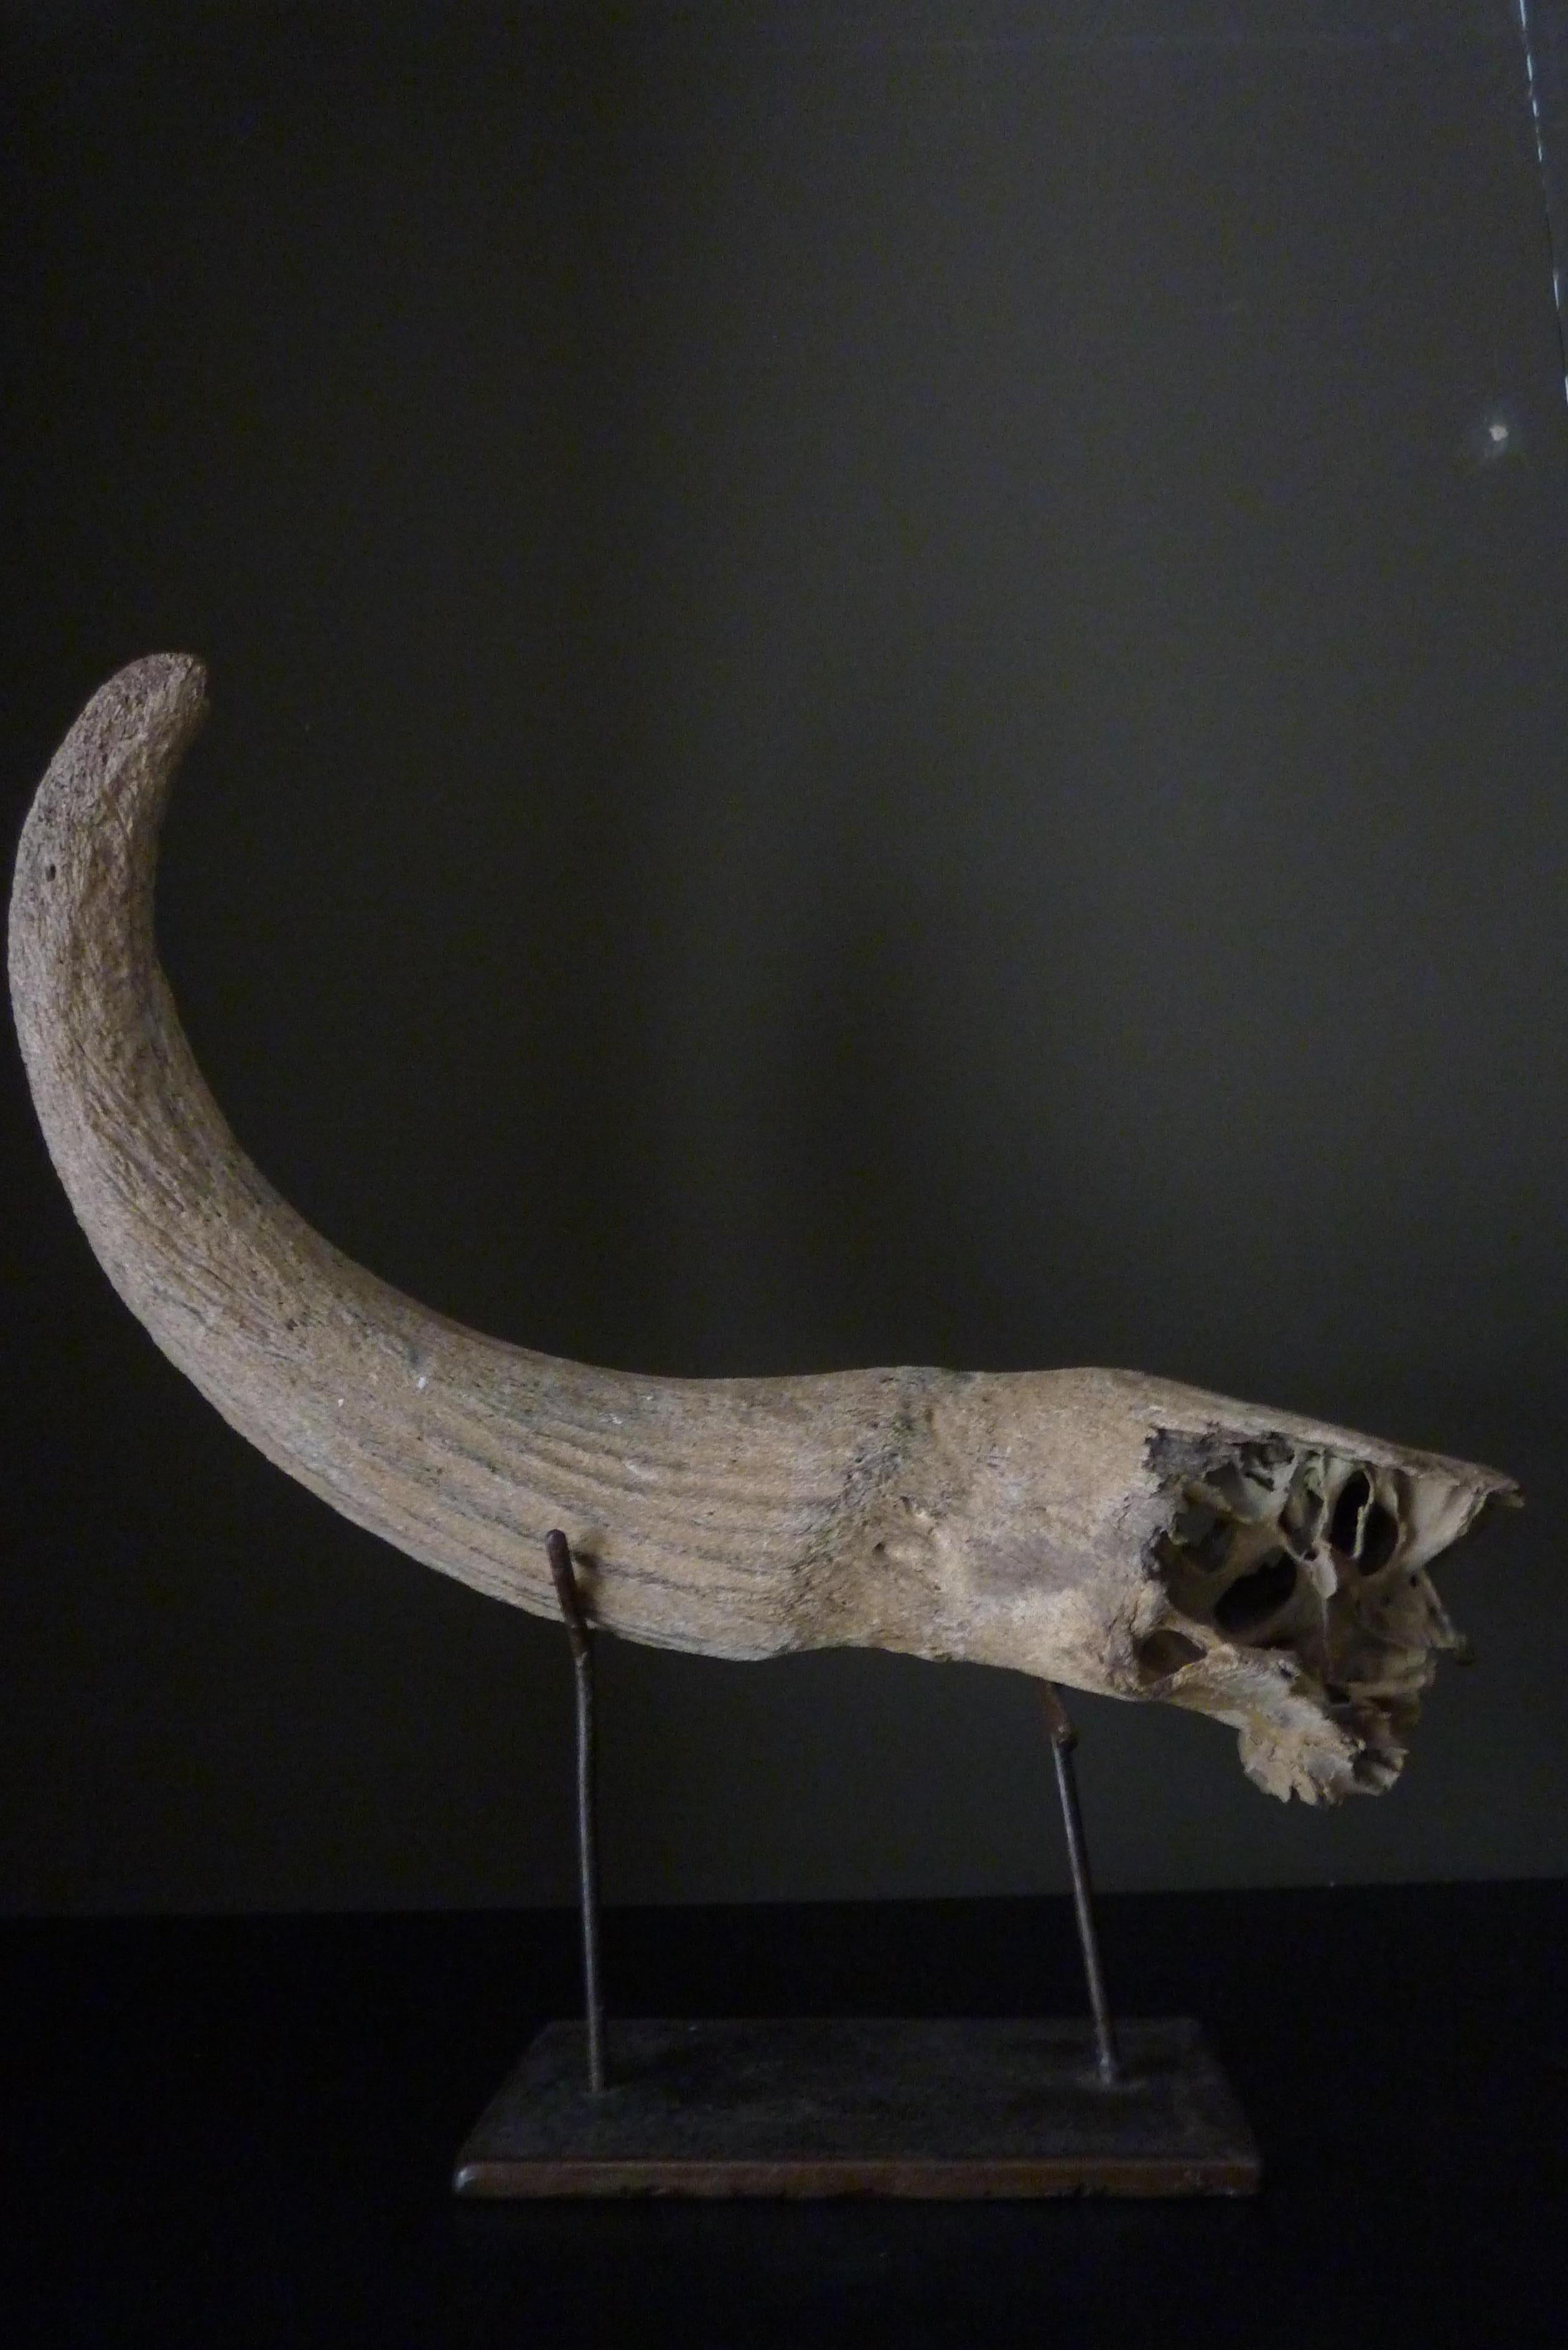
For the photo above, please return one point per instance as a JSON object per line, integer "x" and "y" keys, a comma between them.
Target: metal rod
{"x": 1064, "y": 1738}
{"x": 581, "y": 1637}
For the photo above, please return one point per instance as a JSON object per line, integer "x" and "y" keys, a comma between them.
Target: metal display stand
{"x": 946, "y": 2108}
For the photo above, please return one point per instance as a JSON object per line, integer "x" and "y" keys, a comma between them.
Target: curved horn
{"x": 680, "y": 1497}
{"x": 1029, "y": 1519}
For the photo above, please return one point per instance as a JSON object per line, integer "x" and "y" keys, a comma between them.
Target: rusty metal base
{"x": 941, "y": 2109}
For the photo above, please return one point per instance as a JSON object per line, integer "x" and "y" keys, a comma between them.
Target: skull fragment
{"x": 1295, "y": 1575}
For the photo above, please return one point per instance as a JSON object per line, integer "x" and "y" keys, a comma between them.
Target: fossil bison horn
{"x": 1124, "y": 1535}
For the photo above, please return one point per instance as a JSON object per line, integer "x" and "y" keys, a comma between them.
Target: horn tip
{"x": 158, "y": 683}
{"x": 155, "y": 705}
{"x": 119, "y": 755}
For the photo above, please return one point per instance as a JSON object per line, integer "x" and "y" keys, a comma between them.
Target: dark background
{"x": 890, "y": 685}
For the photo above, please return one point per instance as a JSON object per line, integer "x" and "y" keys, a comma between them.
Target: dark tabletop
{"x": 238, "y": 2131}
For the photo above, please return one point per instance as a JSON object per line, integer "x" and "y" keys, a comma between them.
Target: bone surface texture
{"x": 1123, "y": 1534}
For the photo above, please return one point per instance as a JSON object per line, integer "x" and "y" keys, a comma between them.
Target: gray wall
{"x": 888, "y": 686}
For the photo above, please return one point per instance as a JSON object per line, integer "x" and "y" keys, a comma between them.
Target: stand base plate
{"x": 943, "y": 2109}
